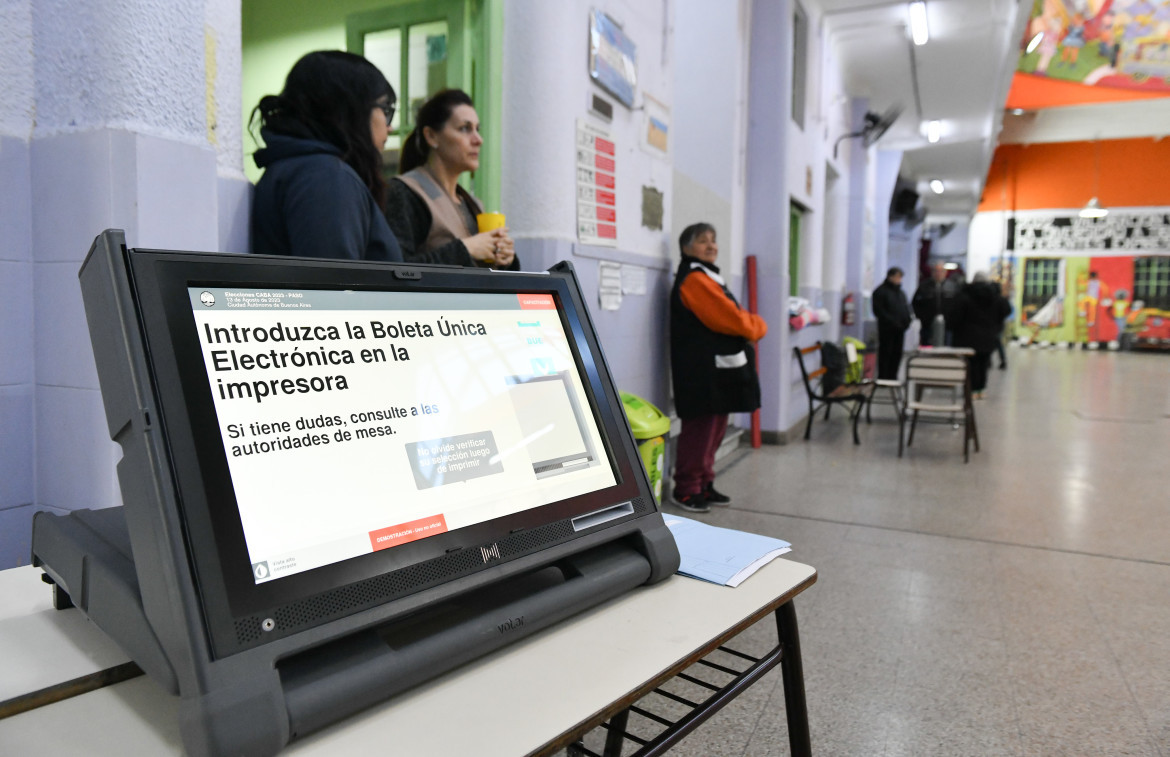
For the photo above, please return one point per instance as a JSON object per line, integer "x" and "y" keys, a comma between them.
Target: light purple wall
{"x": 17, "y": 374}
{"x": 766, "y": 211}
{"x": 634, "y": 338}
{"x": 888, "y": 164}
{"x": 954, "y": 244}
{"x": 542, "y": 102}
{"x": 855, "y": 220}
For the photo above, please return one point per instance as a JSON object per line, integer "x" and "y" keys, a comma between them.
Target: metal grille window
{"x": 1151, "y": 281}
{"x": 1041, "y": 281}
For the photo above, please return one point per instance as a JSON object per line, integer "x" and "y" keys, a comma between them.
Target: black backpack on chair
{"x": 834, "y": 362}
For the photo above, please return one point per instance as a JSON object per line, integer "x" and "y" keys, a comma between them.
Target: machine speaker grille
{"x": 374, "y": 591}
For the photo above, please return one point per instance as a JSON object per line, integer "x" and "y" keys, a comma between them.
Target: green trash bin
{"x": 650, "y": 427}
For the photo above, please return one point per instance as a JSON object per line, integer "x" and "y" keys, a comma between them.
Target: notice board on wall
{"x": 596, "y": 185}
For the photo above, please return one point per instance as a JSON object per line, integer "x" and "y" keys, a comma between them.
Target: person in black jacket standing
{"x": 893, "y": 317}
{"x": 979, "y": 318}
{"x": 934, "y": 297}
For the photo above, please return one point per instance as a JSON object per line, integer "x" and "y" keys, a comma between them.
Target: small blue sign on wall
{"x": 612, "y": 58}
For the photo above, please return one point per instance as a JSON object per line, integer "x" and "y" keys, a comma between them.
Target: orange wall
{"x": 1060, "y": 175}
{"x": 1031, "y": 92}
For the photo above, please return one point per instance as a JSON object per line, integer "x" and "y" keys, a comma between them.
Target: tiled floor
{"x": 1016, "y": 605}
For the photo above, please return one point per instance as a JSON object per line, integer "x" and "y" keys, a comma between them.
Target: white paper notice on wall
{"x": 596, "y": 185}
{"x": 633, "y": 279}
{"x": 609, "y": 285}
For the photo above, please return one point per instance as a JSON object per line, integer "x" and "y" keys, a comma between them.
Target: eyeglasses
{"x": 388, "y": 108}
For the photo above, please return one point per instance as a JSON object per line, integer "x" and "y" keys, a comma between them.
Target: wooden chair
{"x": 856, "y": 393}
{"x": 938, "y": 372}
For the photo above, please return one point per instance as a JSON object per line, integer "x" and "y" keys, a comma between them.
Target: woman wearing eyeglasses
{"x": 432, "y": 216}
{"x": 322, "y": 194}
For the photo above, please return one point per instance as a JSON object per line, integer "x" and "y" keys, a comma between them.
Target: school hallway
{"x": 1015, "y": 605}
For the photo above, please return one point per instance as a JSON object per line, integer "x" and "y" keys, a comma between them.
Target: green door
{"x": 794, "y": 214}
{"x": 424, "y": 47}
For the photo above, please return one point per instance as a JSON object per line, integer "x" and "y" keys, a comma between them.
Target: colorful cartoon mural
{"x": 1115, "y": 301}
{"x": 1110, "y": 43}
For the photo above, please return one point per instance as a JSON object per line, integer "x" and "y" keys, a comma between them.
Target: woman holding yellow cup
{"x": 435, "y": 219}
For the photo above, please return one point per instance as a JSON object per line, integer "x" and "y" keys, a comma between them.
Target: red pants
{"x": 694, "y": 466}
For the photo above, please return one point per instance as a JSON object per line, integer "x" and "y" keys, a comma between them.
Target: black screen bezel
{"x": 213, "y": 532}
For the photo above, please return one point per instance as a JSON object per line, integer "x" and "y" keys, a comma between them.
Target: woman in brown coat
{"x": 432, "y": 216}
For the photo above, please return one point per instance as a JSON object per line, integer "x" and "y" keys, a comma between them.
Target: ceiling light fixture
{"x": 1018, "y": 111}
{"x": 1034, "y": 43}
{"x": 951, "y": 266}
{"x": 918, "y": 29}
{"x": 936, "y": 186}
{"x": 1093, "y": 208}
{"x": 933, "y": 131}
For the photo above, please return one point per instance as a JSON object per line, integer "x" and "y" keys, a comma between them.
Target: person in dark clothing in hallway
{"x": 322, "y": 194}
{"x": 935, "y": 296}
{"x": 893, "y": 317}
{"x": 713, "y": 365}
{"x": 999, "y": 350}
{"x": 979, "y": 316}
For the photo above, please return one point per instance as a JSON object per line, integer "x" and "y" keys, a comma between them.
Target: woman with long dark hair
{"x": 322, "y": 194}
{"x": 433, "y": 217}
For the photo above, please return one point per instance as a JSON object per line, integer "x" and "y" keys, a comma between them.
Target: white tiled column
{"x": 17, "y": 378}
{"x": 123, "y": 93}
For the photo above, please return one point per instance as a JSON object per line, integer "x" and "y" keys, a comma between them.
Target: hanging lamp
{"x": 1093, "y": 207}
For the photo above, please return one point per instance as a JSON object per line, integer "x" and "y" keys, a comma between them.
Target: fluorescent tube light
{"x": 933, "y": 131}
{"x": 918, "y": 29}
{"x": 936, "y": 186}
{"x": 1034, "y": 43}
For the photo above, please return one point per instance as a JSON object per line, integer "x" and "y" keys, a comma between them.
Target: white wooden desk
{"x": 535, "y": 697}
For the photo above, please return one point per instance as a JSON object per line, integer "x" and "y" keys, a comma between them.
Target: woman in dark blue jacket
{"x": 322, "y": 194}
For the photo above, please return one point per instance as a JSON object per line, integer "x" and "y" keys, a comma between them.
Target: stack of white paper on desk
{"x": 721, "y": 555}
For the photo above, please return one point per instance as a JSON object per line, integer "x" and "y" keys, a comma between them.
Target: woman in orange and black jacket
{"x": 713, "y": 365}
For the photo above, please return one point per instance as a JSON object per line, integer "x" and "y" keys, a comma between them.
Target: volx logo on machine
{"x": 490, "y": 553}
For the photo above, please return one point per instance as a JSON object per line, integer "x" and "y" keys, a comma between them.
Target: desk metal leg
{"x": 793, "y": 674}
{"x": 786, "y": 653}
{"x": 617, "y": 733}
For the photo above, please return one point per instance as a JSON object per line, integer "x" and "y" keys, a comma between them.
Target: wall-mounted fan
{"x": 873, "y": 128}
{"x": 876, "y": 126}
{"x": 915, "y": 218}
